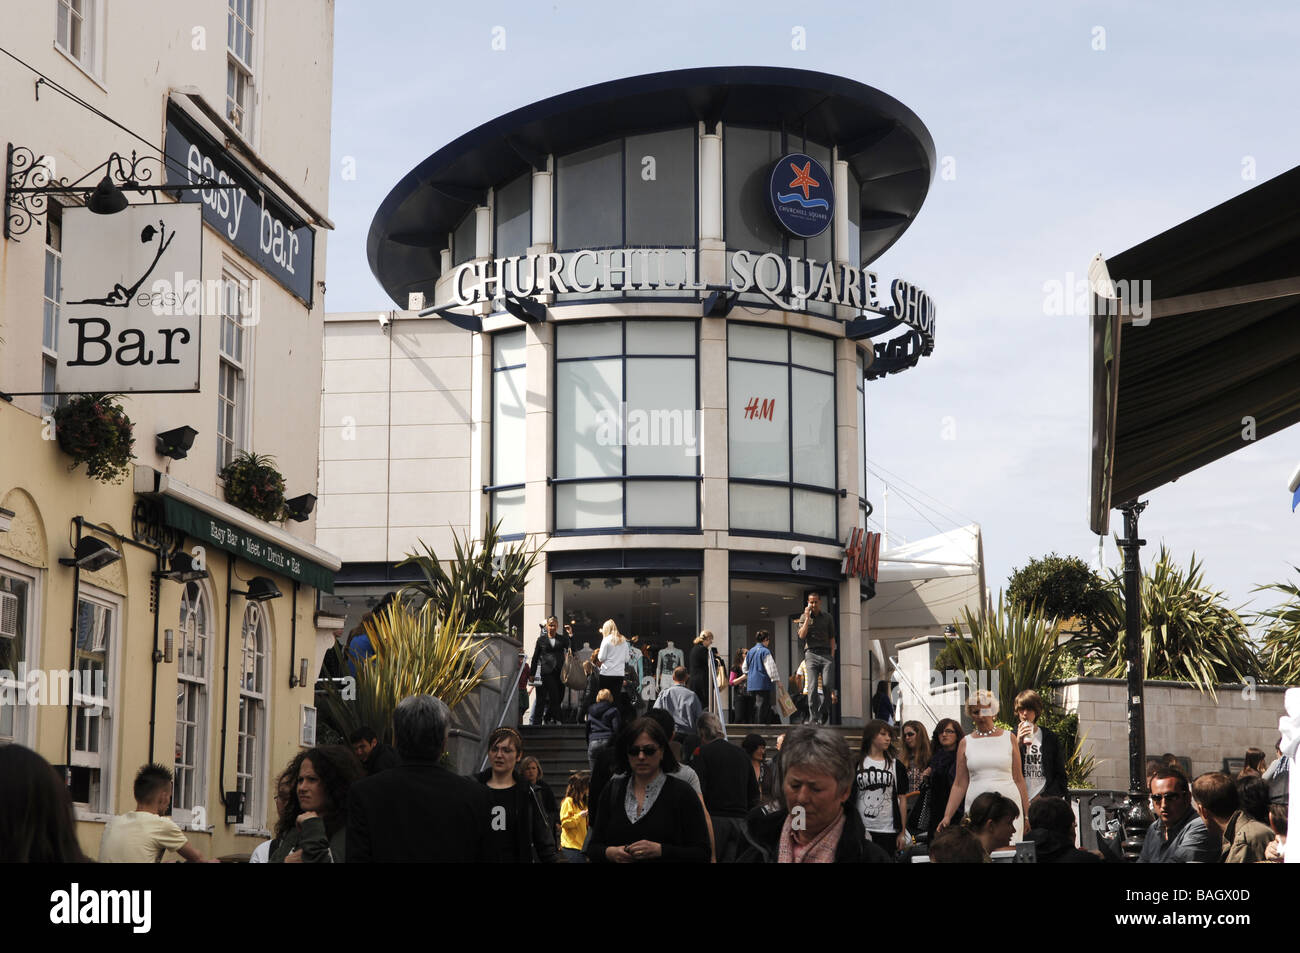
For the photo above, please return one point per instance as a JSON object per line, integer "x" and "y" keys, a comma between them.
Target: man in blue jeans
{"x": 817, "y": 633}
{"x": 757, "y": 680}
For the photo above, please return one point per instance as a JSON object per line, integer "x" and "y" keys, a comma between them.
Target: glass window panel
{"x": 758, "y": 421}
{"x": 514, "y": 204}
{"x": 508, "y": 348}
{"x": 661, "y": 210}
{"x": 661, "y": 429}
{"x": 814, "y": 514}
{"x": 661, "y": 337}
{"x": 588, "y": 505}
{"x": 813, "y": 396}
{"x": 589, "y": 198}
{"x": 661, "y": 504}
{"x": 812, "y": 351}
{"x": 762, "y": 344}
{"x": 589, "y": 340}
{"x": 587, "y": 401}
{"x": 462, "y": 239}
{"x": 765, "y": 508}
{"x": 820, "y": 246}
{"x": 508, "y": 507}
{"x": 509, "y": 433}
{"x": 748, "y": 155}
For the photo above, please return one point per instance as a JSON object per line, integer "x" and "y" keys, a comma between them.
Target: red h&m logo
{"x": 862, "y": 555}
{"x": 753, "y": 410}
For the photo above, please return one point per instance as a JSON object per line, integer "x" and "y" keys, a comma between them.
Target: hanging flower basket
{"x": 94, "y": 429}
{"x": 252, "y": 483}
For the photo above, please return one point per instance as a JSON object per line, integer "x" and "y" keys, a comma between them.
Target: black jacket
{"x": 763, "y": 831}
{"x": 382, "y": 757}
{"x": 675, "y": 821}
{"x": 726, "y": 778}
{"x": 417, "y": 812}
{"x": 535, "y": 838}
{"x": 603, "y": 722}
{"x": 1052, "y": 848}
{"x": 548, "y": 662}
{"x": 1053, "y": 765}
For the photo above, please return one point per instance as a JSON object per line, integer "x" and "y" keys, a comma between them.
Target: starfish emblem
{"x": 803, "y": 179}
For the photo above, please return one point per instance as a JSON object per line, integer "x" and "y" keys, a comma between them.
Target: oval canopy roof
{"x": 885, "y": 144}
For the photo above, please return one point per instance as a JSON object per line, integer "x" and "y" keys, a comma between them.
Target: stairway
{"x": 562, "y": 749}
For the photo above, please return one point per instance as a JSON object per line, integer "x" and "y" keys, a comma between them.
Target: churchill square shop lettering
{"x": 650, "y": 315}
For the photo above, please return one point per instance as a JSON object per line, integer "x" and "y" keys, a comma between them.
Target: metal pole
{"x": 1135, "y": 815}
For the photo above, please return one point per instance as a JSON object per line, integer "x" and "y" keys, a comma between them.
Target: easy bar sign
{"x": 131, "y": 300}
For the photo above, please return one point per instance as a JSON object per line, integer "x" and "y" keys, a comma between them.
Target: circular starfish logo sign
{"x": 801, "y": 194}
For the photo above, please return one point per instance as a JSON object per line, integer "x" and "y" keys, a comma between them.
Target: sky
{"x": 1066, "y": 129}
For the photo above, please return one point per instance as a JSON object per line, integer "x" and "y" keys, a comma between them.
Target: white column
{"x": 483, "y": 232}
{"x": 713, "y": 247}
{"x": 543, "y": 206}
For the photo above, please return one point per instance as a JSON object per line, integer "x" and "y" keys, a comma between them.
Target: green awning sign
{"x": 256, "y": 549}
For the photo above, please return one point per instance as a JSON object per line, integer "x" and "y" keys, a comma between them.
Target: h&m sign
{"x": 862, "y": 555}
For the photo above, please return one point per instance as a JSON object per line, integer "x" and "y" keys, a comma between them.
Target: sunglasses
{"x": 648, "y": 750}
{"x": 912, "y": 734}
{"x": 1159, "y": 798}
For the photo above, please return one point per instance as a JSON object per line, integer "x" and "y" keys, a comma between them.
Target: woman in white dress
{"x": 988, "y": 759}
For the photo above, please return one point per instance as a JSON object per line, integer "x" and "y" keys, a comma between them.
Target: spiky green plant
{"x": 1279, "y": 655}
{"x": 488, "y": 585}
{"x": 1017, "y": 644}
{"x": 1080, "y": 765}
{"x": 1189, "y": 634}
{"x": 416, "y": 652}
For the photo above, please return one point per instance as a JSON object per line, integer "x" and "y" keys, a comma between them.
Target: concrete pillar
{"x": 539, "y": 427}
{"x": 543, "y": 205}
{"x": 713, "y": 247}
{"x": 483, "y": 232}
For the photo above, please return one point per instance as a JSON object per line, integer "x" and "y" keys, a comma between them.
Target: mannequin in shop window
{"x": 670, "y": 658}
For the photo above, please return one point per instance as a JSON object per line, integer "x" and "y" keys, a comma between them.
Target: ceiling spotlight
{"x": 260, "y": 589}
{"x": 299, "y": 508}
{"x": 642, "y": 582}
{"x": 611, "y": 583}
{"x": 175, "y": 443}
{"x": 583, "y": 584}
{"x": 670, "y": 581}
{"x": 92, "y": 554}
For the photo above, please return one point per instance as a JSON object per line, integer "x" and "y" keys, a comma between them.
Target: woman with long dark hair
{"x": 940, "y": 773}
{"x": 993, "y": 819}
{"x": 525, "y": 836}
{"x": 312, "y": 828}
{"x": 37, "y": 825}
{"x": 880, "y": 788}
{"x": 739, "y": 698}
{"x": 914, "y": 753}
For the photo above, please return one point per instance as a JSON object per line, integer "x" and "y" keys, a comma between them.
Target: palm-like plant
{"x": 487, "y": 585}
{"x": 416, "y": 652}
{"x": 1280, "y": 652}
{"x": 1017, "y": 644}
{"x": 1189, "y": 634}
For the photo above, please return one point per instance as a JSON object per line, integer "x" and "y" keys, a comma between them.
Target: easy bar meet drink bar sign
{"x": 249, "y": 217}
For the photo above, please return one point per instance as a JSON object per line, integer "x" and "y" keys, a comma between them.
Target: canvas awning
{"x": 1200, "y": 355}
{"x": 927, "y": 583}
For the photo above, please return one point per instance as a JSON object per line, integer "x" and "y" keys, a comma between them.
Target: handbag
{"x": 919, "y": 820}
{"x": 573, "y": 674}
{"x": 784, "y": 703}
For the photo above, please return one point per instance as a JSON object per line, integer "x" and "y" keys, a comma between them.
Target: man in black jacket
{"x": 548, "y": 664}
{"x": 1052, "y": 828}
{"x": 1041, "y": 756}
{"x": 418, "y": 812}
{"x": 375, "y": 756}
{"x": 729, "y": 785}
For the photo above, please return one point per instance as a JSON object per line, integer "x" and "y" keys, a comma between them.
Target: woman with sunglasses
{"x": 914, "y": 754}
{"x": 646, "y": 815}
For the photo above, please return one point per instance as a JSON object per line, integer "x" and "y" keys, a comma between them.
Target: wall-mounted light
{"x": 234, "y": 802}
{"x": 719, "y": 303}
{"x": 525, "y": 309}
{"x": 6, "y": 519}
{"x": 260, "y": 589}
{"x": 300, "y": 507}
{"x": 175, "y": 443}
{"x": 92, "y": 554}
{"x": 183, "y": 568}
{"x": 302, "y": 671}
{"x": 107, "y": 199}
{"x": 466, "y": 322}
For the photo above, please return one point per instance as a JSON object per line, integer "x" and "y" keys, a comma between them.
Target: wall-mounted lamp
{"x": 525, "y": 309}
{"x": 466, "y": 322}
{"x": 169, "y": 645}
{"x": 183, "y": 568}
{"x": 234, "y": 803}
{"x": 107, "y": 199}
{"x": 719, "y": 303}
{"x": 92, "y": 554}
{"x": 6, "y": 519}
{"x": 175, "y": 443}
{"x": 300, "y": 507}
{"x": 260, "y": 589}
{"x": 302, "y": 671}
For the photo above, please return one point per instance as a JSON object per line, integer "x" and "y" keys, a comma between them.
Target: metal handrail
{"x": 512, "y": 704}
{"x": 902, "y": 676}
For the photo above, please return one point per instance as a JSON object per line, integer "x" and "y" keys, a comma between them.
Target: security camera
{"x": 384, "y": 320}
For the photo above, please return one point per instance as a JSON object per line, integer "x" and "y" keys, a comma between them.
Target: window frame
{"x": 245, "y": 68}
{"x": 790, "y": 485}
{"x": 102, "y": 760}
{"x": 240, "y": 366}
{"x": 90, "y": 61}
{"x": 182, "y": 812}
{"x": 623, "y": 477}
{"x": 493, "y": 489}
{"x": 24, "y": 732}
{"x": 255, "y": 781}
{"x": 50, "y": 343}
